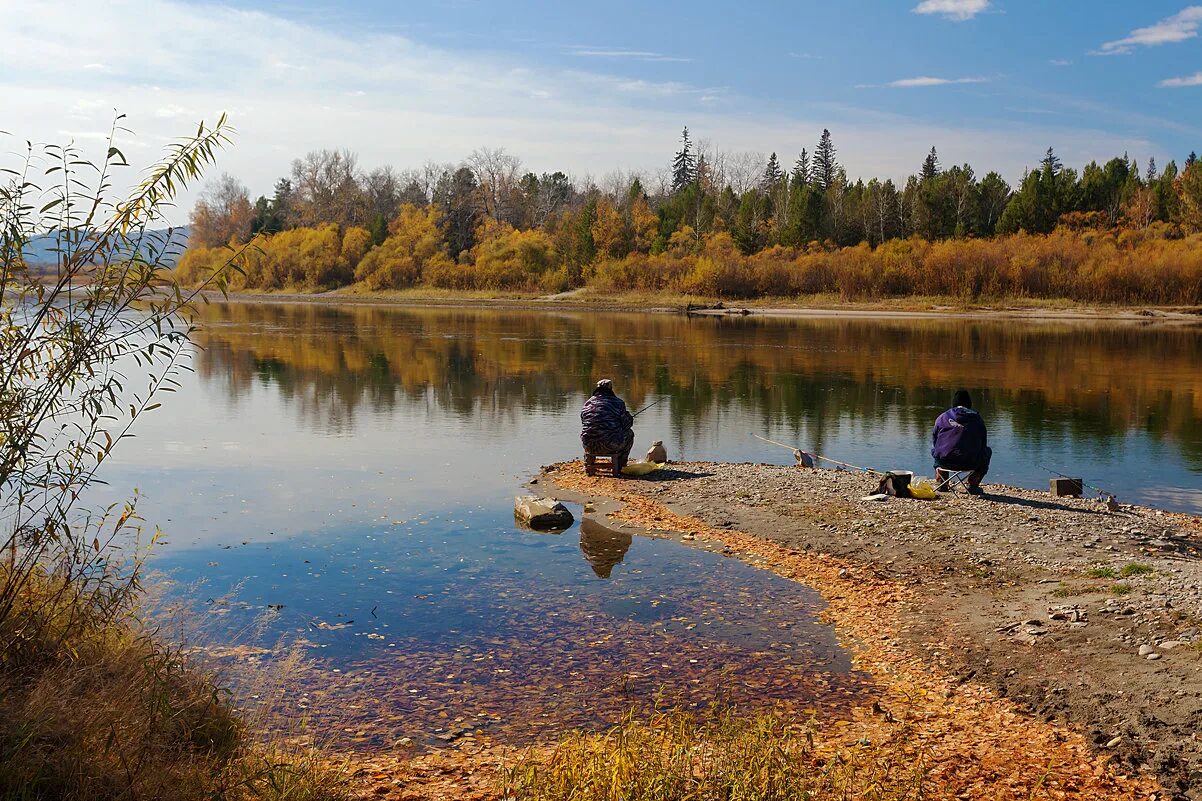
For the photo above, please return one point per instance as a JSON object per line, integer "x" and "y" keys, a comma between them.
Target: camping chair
{"x": 954, "y": 478}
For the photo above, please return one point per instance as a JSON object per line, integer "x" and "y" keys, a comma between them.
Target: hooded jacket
{"x": 605, "y": 422}
{"x": 959, "y": 437}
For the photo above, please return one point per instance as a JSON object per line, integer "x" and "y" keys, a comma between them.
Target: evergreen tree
{"x": 773, "y": 174}
{"x": 825, "y": 166}
{"x": 930, "y": 166}
{"x": 1152, "y": 173}
{"x": 801, "y": 168}
{"x": 1191, "y": 159}
{"x": 378, "y": 229}
{"x": 1051, "y": 163}
{"x": 684, "y": 165}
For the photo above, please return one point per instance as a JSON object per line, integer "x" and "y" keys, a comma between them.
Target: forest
{"x": 715, "y": 225}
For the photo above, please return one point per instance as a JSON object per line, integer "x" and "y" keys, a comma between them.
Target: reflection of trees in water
{"x": 1088, "y": 382}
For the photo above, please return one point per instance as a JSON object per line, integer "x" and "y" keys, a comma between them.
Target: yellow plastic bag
{"x": 641, "y": 468}
{"x": 923, "y": 491}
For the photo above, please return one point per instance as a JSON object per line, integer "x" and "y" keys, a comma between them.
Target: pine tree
{"x": 1051, "y": 163}
{"x": 1152, "y": 173}
{"x": 773, "y": 174}
{"x": 684, "y": 166}
{"x": 801, "y": 168}
{"x": 825, "y": 166}
{"x": 930, "y": 166}
{"x": 1191, "y": 159}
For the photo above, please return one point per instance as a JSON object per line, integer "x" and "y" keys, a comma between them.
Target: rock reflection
{"x": 603, "y": 548}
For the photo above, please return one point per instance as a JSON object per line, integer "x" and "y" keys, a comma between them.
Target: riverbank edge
{"x": 875, "y": 617}
{"x": 820, "y": 307}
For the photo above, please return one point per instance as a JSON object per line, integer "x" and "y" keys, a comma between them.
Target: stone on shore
{"x": 542, "y": 514}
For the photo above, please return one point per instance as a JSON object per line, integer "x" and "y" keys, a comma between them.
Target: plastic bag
{"x": 641, "y": 468}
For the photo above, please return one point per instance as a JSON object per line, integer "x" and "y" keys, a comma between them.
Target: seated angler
{"x": 607, "y": 427}
{"x": 958, "y": 443}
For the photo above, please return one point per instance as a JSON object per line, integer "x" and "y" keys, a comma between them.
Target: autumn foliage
{"x": 1112, "y": 233}
{"x": 1107, "y": 266}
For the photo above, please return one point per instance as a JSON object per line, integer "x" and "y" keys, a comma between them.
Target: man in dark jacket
{"x": 959, "y": 442}
{"x": 607, "y": 428}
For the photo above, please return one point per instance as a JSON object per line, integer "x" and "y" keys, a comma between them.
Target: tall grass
{"x": 93, "y": 706}
{"x": 722, "y": 757}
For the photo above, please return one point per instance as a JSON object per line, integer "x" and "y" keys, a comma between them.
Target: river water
{"x": 343, "y": 477}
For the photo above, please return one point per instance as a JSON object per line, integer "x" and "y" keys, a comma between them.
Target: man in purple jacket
{"x": 959, "y": 443}
{"x": 607, "y": 428}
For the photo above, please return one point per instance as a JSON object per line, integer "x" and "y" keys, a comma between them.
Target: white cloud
{"x": 958, "y": 10}
{"x": 172, "y": 110}
{"x": 1187, "y": 80}
{"x": 621, "y": 52}
{"x": 1059, "y": 62}
{"x": 1181, "y": 26}
{"x": 926, "y": 80}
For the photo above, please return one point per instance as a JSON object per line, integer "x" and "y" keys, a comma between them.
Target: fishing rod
{"x": 797, "y": 451}
{"x": 648, "y": 406}
{"x": 1074, "y": 478}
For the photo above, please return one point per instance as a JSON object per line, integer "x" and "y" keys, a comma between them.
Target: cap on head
{"x": 605, "y": 383}
{"x": 962, "y": 398}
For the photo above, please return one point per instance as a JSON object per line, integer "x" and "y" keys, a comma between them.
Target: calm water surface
{"x": 350, "y": 472}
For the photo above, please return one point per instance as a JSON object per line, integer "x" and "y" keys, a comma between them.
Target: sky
{"x": 598, "y": 87}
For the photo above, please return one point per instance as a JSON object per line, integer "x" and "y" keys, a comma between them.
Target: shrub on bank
{"x": 414, "y": 245}
{"x": 1154, "y": 265}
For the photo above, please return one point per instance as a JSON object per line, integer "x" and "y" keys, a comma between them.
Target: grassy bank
{"x": 94, "y": 706}
{"x": 723, "y": 757}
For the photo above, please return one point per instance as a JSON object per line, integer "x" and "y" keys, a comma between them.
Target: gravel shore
{"x": 1082, "y": 615}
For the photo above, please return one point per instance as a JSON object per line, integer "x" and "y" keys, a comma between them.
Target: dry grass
{"x": 93, "y": 709}
{"x": 674, "y": 756}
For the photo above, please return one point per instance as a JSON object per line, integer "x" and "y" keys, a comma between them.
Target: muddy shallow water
{"x": 349, "y": 473}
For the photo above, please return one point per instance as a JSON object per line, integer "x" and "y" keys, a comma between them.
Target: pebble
{"x": 1169, "y": 645}
{"x": 1153, "y": 657}
{"x": 1145, "y": 650}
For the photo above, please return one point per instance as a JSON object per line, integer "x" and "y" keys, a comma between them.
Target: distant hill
{"x": 41, "y": 250}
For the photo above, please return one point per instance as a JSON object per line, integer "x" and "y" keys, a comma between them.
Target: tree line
{"x": 487, "y": 224}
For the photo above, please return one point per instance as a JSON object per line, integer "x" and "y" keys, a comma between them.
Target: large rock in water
{"x": 544, "y": 514}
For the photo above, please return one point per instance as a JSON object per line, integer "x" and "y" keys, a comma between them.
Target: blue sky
{"x": 593, "y": 88}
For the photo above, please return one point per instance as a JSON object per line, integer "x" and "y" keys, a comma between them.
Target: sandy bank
{"x": 900, "y": 309}
{"x": 1017, "y": 620}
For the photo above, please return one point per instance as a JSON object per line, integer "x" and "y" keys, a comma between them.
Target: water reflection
{"x": 602, "y": 547}
{"x": 1100, "y": 399}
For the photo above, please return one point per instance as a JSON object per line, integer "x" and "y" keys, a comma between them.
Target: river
{"x": 342, "y": 478}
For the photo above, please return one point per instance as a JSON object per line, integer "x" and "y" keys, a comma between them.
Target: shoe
{"x": 975, "y": 491}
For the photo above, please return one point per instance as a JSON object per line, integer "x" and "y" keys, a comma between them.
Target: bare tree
{"x": 497, "y": 173}
{"x": 743, "y": 170}
{"x": 325, "y": 185}
{"x": 382, "y": 193}
{"x": 222, "y": 215}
